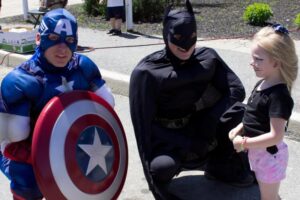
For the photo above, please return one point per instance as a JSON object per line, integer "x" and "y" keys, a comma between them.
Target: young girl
{"x": 269, "y": 107}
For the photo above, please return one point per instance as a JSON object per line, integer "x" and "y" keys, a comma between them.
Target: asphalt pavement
{"x": 116, "y": 57}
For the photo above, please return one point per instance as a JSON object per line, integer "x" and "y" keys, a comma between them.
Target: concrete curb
{"x": 119, "y": 83}
{"x": 10, "y": 59}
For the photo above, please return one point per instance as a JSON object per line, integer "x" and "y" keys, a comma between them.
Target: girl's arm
{"x": 269, "y": 139}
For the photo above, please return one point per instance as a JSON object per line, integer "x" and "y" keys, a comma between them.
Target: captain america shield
{"x": 79, "y": 148}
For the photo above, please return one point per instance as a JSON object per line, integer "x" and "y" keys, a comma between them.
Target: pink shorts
{"x": 269, "y": 168}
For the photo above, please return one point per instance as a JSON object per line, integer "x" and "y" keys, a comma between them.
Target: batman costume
{"x": 179, "y": 110}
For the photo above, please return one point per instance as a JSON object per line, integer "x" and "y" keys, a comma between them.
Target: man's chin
{"x": 59, "y": 64}
{"x": 184, "y": 58}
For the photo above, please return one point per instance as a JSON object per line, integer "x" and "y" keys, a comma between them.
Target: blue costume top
{"x": 31, "y": 85}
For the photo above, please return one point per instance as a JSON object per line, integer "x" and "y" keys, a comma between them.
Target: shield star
{"x": 65, "y": 85}
{"x": 97, "y": 152}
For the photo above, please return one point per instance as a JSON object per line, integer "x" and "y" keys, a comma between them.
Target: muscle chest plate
{"x": 55, "y": 84}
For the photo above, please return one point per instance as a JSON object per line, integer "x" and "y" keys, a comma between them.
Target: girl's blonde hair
{"x": 282, "y": 48}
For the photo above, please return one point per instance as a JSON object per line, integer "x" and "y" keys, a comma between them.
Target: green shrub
{"x": 94, "y": 8}
{"x": 257, "y": 13}
{"x": 297, "y": 20}
{"x": 151, "y": 10}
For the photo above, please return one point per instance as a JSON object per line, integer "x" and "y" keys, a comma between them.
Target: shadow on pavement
{"x": 195, "y": 187}
{"x": 144, "y": 35}
{"x": 128, "y": 35}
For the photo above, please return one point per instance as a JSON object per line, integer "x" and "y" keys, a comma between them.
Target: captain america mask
{"x": 180, "y": 27}
{"x": 58, "y": 26}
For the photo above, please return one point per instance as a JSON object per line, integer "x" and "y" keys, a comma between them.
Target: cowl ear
{"x": 167, "y": 10}
{"x": 189, "y": 7}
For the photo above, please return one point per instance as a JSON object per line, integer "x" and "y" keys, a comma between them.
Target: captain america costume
{"x": 26, "y": 90}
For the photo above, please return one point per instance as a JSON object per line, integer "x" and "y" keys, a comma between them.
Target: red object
{"x": 79, "y": 148}
{"x": 19, "y": 151}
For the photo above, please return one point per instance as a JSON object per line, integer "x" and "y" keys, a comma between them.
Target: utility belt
{"x": 174, "y": 123}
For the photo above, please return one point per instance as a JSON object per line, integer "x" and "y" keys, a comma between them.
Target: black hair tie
{"x": 280, "y": 29}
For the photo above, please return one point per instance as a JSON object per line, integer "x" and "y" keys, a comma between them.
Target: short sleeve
{"x": 281, "y": 105}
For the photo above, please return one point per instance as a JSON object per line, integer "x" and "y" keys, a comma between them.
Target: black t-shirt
{"x": 273, "y": 102}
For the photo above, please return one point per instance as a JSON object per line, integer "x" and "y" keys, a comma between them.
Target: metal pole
{"x": 25, "y": 9}
{"x": 129, "y": 18}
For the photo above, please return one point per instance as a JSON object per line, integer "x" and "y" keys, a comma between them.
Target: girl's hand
{"x": 237, "y": 143}
{"x": 233, "y": 133}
